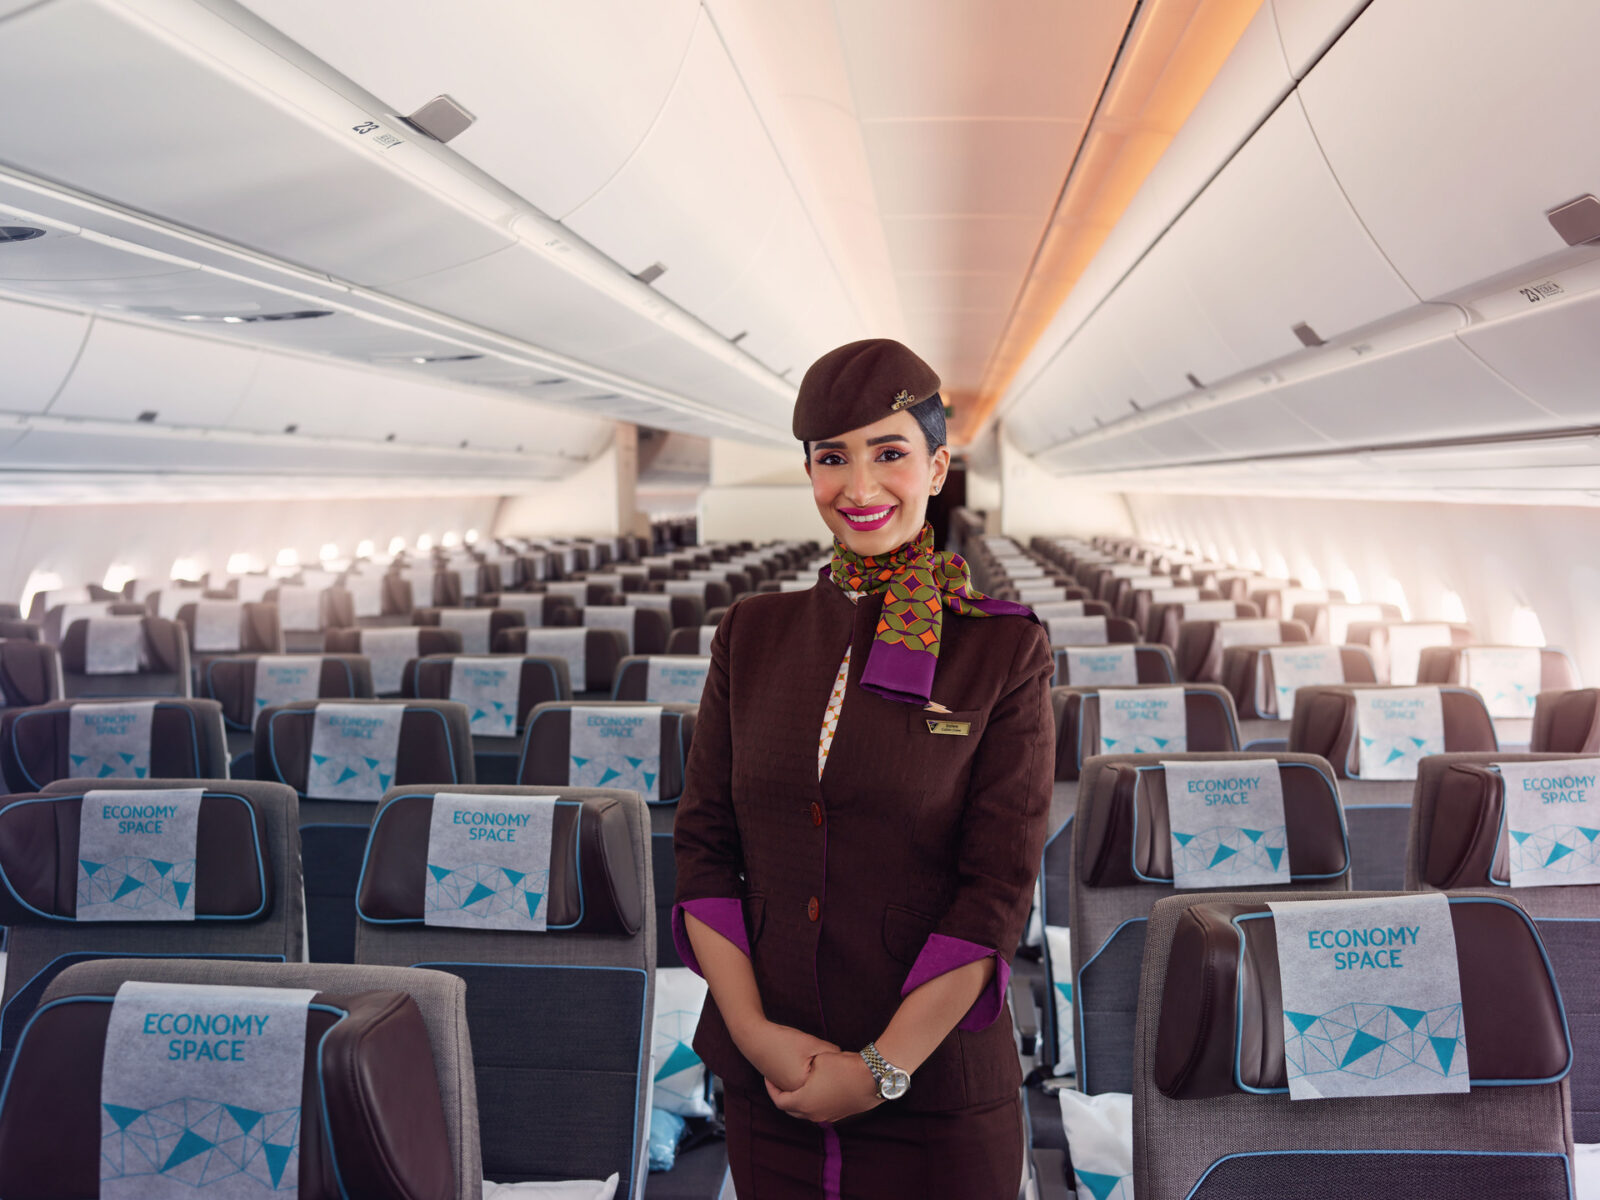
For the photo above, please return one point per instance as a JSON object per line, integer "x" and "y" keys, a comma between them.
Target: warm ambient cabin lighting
{"x": 186, "y": 569}
{"x": 396, "y": 544}
{"x": 365, "y": 548}
{"x": 1395, "y": 593}
{"x": 1350, "y": 586}
{"x": 1311, "y": 577}
{"x": 117, "y": 577}
{"x": 288, "y": 557}
{"x": 1453, "y": 609}
{"x": 329, "y": 550}
{"x": 425, "y": 542}
{"x": 450, "y": 539}
{"x": 470, "y": 537}
{"x": 38, "y": 581}
{"x": 243, "y": 564}
{"x": 1525, "y": 627}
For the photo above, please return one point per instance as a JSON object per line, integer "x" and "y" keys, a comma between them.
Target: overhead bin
{"x": 1308, "y": 27}
{"x": 1544, "y": 342}
{"x": 38, "y": 346}
{"x": 1452, "y": 137}
{"x": 126, "y": 370}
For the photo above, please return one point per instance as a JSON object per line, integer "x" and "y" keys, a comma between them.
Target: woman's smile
{"x": 869, "y": 518}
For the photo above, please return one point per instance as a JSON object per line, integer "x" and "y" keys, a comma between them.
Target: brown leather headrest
{"x": 1567, "y": 722}
{"x": 1208, "y": 715}
{"x": 1126, "y": 837}
{"x": 232, "y": 683}
{"x": 435, "y": 745}
{"x": 161, "y": 653}
{"x": 1220, "y": 1029}
{"x": 1325, "y": 723}
{"x": 540, "y": 680}
{"x": 594, "y": 882}
{"x": 1200, "y": 650}
{"x": 186, "y": 742}
{"x": 39, "y": 858}
{"x": 1247, "y": 674}
{"x": 30, "y": 673}
{"x": 548, "y": 738}
{"x": 372, "y": 1120}
{"x": 604, "y": 650}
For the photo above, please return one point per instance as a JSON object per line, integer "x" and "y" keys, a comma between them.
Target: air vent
{"x": 19, "y": 233}
{"x": 442, "y": 358}
{"x": 547, "y": 382}
{"x": 651, "y": 273}
{"x": 305, "y": 314}
{"x": 147, "y": 417}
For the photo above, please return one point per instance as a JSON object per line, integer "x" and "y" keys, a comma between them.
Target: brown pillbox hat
{"x": 858, "y": 384}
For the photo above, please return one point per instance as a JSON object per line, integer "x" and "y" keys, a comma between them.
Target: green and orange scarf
{"x": 919, "y": 584}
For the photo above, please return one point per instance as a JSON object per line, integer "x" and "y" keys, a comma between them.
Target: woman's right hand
{"x": 782, "y": 1053}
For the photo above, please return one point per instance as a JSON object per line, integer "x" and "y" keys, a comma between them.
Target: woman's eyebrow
{"x": 888, "y": 437}
{"x": 827, "y": 445}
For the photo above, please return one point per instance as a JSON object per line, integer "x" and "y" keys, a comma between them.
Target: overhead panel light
{"x": 304, "y": 314}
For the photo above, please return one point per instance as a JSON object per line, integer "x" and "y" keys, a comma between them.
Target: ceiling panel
{"x": 1007, "y": 167}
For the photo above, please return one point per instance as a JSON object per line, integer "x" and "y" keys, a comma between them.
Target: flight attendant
{"x": 860, "y": 829}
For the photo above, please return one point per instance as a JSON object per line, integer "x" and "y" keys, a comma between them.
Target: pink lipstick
{"x": 869, "y": 518}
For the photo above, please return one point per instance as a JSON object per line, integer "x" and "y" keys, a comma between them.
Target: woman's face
{"x": 872, "y": 484}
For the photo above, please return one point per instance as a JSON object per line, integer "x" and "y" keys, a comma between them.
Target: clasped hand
{"x": 810, "y": 1078}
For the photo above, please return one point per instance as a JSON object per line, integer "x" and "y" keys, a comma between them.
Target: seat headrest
{"x": 547, "y": 742}
{"x": 433, "y": 744}
{"x": 1247, "y": 673}
{"x": 232, "y": 683}
{"x": 373, "y": 1123}
{"x": 1125, "y": 834}
{"x": 1209, "y": 719}
{"x": 1567, "y": 722}
{"x": 1220, "y": 1028}
{"x": 161, "y": 653}
{"x": 186, "y": 742}
{"x": 1325, "y": 724}
{"x": 30, "y": 673}
{"x": 39, "y": 855}
{"x": 594, "y": 885}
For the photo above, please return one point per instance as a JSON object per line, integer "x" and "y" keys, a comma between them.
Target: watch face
{"x": 894, "y": 1085}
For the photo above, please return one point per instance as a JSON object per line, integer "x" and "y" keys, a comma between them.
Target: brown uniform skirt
{"x": 886, "y": 1154}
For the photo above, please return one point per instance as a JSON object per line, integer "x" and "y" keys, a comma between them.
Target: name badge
{"x": 953, "y": 728}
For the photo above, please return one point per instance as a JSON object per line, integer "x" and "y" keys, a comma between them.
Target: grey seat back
{"x": 30, "y": 673}
{"x": 187, "y": 741}
{"x": 560, "y": 1018}
{"x": 163, "y": 669}
{"x": 1568, "y": 722}
{"x": 1121, "y": 866}
{"x": 1212, "y": 1140}
{"x": 440, "y": 997}
{"x": 546, "y": 744}
{"x": 1458, "y": 839}
{"x": 247, "y": 887}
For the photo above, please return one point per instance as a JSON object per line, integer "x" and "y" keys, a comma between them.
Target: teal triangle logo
{"x": 478, "y": 892}
{"x": 497, "y": 704}
{"x": 91, "y": 867}
{"x": 1161, "y": 742}
{"x": 1301, "y": 1021}
{"x": 246, "y": 1118}
{"x": 1100, "y": 1186}
{"x": 1409, "y": 1015}
{"x": 533, "y": 899}
{"x": 140, "y": 772}
{"x": 277, "y": 1159}
{"x": 1253, "y": 834}
{"x": 161, "y": 867}
{"x": 189, "y": 1145}
{"x": 1183, "y": 839}
{"x": 1591, "y": 834}
{"x": 649, "y": 780}
{"x": 1109, "y": 742}
{"x": 319, "y": 759}
{"x": 107, "y": 770}
{"x": 260, "y": 703}
{"x": 514, "y": 876}
{"x": 347, "y": 773}
{"x": 1223, "y": 854}
{"x": 1558, "y": 851}
{"x": 439, "y": 873}
{"x": 681, "y": 1059}
{"x": 611, "y": 773}
{"x": 383, "y": 780}
{"x": 1521, "y": 837}
{"x": 477, "y": 715}
{"x": 1066, "y": 991}
{"x": 1366, "y": 741}
{"x": 123, "y": 1116}
{"x": 1393, "y": 754}
{"x": 182, "y": 891}
{"x": 1360, "y": 1046}
{"x": 1275, "y": 853}
{"x": 129, "y": 884}
{"x": 1420, "y": 742}
{"x": 635, "y": 763}
{"x": 127, "y": 758}
{"x": 579, "y": 762}
{"x": 79, "y": 759}
{"x": 1445, "y": 1048}
{"x": 373, "y": 763}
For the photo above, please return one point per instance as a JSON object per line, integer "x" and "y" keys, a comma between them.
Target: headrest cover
{"x": 1126, "y": 837}
{"x": 39, "y": 858}
{"x": 859, "y": 384}
{"x": 372, "y": 1119}
{"x": 1325, "y": 724}
{"x": 593, "y": 888}
{"x": 1220, "y": 1028}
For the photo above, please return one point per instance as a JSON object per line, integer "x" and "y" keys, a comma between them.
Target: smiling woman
{"x": 855, "y": 971}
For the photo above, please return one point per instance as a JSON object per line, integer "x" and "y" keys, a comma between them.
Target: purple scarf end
{"x": 897, "y": 672}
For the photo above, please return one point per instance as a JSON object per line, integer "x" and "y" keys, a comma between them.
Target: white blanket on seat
{"x": 571, "y": 1189}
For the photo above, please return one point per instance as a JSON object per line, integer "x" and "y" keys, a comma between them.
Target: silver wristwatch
{"x": 892, "y": 1081}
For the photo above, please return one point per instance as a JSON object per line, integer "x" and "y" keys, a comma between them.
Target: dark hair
{"x": 929, "y": 416}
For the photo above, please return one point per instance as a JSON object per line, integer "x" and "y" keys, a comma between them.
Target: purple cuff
{"x": 723, "y": 915}
{"x": 940, "y": 955}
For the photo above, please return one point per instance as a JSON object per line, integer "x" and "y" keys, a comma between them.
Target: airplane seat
{"x": 645, "y": 630}
{"x": 30, "y": 673}
{"x": 591, "y": 654}
{"x": 10, "y": 612}
{"x": 683, "y": 612}
{"x": 1280, "y": 602}
{"x": 1210, "y": 1115}
{"x": 238, "y": 896}
{"x": 550, "y": 748}
{"x": 653, "y": 679}
{"x": 1458, "y": 840}
{"x": 499, "y": 692}
{"x": 358, "y": 599}
{"x": 166, "y": 738}
{"x": 710, "y": 592}
{"x": 1567, "y": 722}
{"x": 559, "y": 1003}
{"x": 59, "y": 619}
{"x": 1378, "y": 810}
{"x": 247, "y": 685}
{"x": 1330, "y": 620}
{"x": 229, "y": 627}
{"x": 1247, "y": 673}
{"x": 1510, "y": 679}
{"x": 387, "y": 1049}
{"x": 1149, "y": 612}
{"x": 537, "y": 608}
{"x": 340, "y": 763}
{"x": 580, "y": 591}
{"x": 406, "y": 589}
{"x": 1089, "y": 630}
{"x": 1167, "y": 619}
{"x": 388, "y": 650}
{"x": 478, "y": 627}
{"x": 1201, "y": 644}
{"x": 1151, "y": 664}
{"x": 21, "y": 631}
{"x": 306, "y": 612}
{"x": 457, "y": 585}
{"x": 696, "y": 641}
{"x": 44, "y": 601}
{"x": 1398, "y": 645}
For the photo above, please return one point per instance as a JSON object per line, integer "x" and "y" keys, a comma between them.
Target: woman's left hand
{"x": 839, "y": 1086}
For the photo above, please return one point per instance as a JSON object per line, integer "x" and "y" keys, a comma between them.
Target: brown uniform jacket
{"x": 908, "y": 833}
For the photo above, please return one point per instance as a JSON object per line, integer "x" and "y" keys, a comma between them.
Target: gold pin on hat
{"x": 903, "y": 400}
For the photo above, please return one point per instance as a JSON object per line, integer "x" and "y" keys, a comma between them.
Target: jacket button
{"x": 813, "y": 908}
{"x": 816, "y": 814}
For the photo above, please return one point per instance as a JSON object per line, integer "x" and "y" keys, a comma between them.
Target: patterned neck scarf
{"x": 918, "y": 585}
